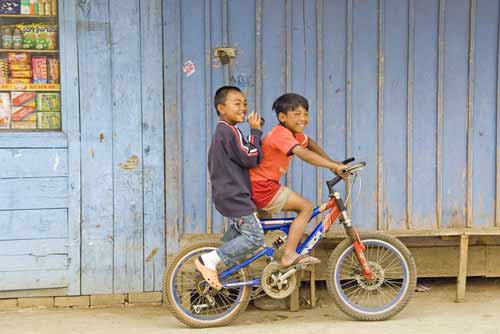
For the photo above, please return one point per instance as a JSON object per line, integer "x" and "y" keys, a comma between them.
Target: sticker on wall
{"x": 189, "y": 68}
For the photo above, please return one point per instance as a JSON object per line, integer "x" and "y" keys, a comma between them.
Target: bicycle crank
{"x": 278, "y": 282}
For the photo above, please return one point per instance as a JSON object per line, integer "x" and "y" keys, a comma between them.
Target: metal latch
{"x": 224, "y": 54}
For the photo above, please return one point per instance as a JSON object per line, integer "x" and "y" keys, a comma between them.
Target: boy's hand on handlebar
{"x": 339, "y": 170}
{"x": 254, "y": 120}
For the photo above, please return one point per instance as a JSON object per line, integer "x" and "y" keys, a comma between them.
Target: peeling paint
{"x": 152, "y": 254}
{"x": 92, "y": 153}
{"x": 101, "y": 137}
{"x": 56, "y": 164}
{"x": 131, "y": 163}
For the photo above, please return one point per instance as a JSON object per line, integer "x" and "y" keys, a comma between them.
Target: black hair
{"x": 289, "y": 101}
{"x": 221, "y": 95}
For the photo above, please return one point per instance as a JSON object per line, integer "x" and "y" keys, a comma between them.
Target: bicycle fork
{"x": 353, "y": 235}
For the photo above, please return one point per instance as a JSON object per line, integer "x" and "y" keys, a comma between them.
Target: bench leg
{"x": 462, "y": 268}
{"x": 295, "y": 296}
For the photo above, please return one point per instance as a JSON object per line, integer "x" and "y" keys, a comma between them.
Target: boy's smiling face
{"x": 234, "y": 108}
{"x": 295, "y": 120}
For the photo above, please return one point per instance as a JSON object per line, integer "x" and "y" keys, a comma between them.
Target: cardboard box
{"x": 48, "y": 102}
{"x": 48, "y": 120}
{"x": 5, "y": 111}
{"x": 23, "y": 125}
{"x": 10, "y": 6}
{"x": 26, "y": 114}
{"x": 23, "y": 99}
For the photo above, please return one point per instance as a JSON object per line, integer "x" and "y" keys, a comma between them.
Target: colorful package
{"x": 19, "y": 57}
{"x": 19, "y": 80}
{"x": 48, "y": 102}
{"x": 21, "y": 74}
{"x": 19, "y": 66}
{"x": 4, "y": 70}
{"x": 39, "y": 65}
{"x": 49, "y": 120}
{"x": 53, "y": 70}
{"x": 10, "y": 6}
{"x": 21, "y": 99}
{"x": 23, "y": 114}
{"x": 23, "y": 125}
{"x": 5, "y": 110}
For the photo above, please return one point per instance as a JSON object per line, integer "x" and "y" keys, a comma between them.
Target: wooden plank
{"x": 70, "y": 104}
{"x": 96, "y": 149}
{"x": 470, "y": 110}
{"x": 381, "y": 222}
{"x": 34, "y": 247}
{"x": 462, "y": 268}
{"x": 409, "y": 116}
{"x": 33, "y": 140}
{"x": 33, "y": 162}
{"x": 319, "y": 96}
{"x": 126, "y": 90}
{"x": 152, "y": 139}
{"x": 33, "y": 224}
{"x": 25, "y": 280}
{"x": 34, "y": 193}
{"x": 439, "y": 124}
{"x": 12, "y": 263}
{"x": 172, "y": 61}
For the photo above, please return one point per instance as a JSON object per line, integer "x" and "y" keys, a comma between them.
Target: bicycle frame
{"x": 283, "y": 224}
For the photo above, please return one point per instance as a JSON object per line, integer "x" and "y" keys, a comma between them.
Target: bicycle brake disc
{"x": 273, "y": 283}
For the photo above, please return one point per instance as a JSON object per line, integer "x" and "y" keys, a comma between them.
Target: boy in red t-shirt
{"x": 278, "y": 147}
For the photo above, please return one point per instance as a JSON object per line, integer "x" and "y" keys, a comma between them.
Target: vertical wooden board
{"x": 97, "y": 153}
{"x": 364, "y": 108}
{"x": 33, "y": 193}
{"x": 484, "y": 120}
{"x": 334, "y": 82}
{"x": 128, "y": 233}
{"x": 454, "y": 113}
{"x": 193, "y": 117}
{"x": 395, "y": 113}
{"x": 273, "y": 61}
{"x": 425, "y": 113}
{"x": 171, "y": 41}
{"x": 216, "y": 80}
{"x": 304, "y": 72}
{"x": 152, "y": 139}
{"x": 70, "y": 100}
{"x": 21, "y": 162}
{"x": 33, "y": 224}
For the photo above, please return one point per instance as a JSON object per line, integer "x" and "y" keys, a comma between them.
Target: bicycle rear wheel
{"x": 388, "y": 293}
{"x": 190, "y": 298}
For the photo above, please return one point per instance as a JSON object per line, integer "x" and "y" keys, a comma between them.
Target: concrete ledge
{"x": 8, "y": 304}
{"x": 145, "y": 297}
{"x": 76, "y": 301}
{"x": 42, "y": 302}
{"x": 107, "y": 300}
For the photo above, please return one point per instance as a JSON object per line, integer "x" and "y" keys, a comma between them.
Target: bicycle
{"x": 371, "y": 277}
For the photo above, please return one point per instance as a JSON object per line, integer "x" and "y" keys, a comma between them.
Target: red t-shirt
{"x": 277, "y": 153}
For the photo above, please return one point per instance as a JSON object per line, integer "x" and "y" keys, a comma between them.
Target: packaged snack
{"x": 40, "y": 74}
{"x": 10, "y": 6}
{"x": 23, "y": 114}
{"x": 21, "y": 74}
{"x": 5, "y": 101}
{"x": 19, "y": 80}
{"x": 49, "y": 120}
{"x": 4, "y": 70}
{"x": 54, "y": 8}
{"x": 17, "y": 39}
{"x": 19, "y": 57}
{"x": 19, "y": 67}
{"x": 4, "y": 119}
{"x": 7, "y": 38}
{"x": 25, "y": 7}
{"x": 29, "y": 35}
{"x": 53, "y": 70}
{"x": 20, "y": 99}
{"x": 23, "y": 125}
{"x": 48, "y": 102}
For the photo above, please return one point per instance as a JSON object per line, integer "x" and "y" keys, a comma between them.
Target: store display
{"x": 29, "y": 65}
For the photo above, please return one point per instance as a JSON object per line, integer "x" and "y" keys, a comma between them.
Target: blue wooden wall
{"x": 409, "y": 86}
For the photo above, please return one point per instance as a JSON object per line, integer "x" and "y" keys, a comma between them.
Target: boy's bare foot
{"x": 293, "y": 259}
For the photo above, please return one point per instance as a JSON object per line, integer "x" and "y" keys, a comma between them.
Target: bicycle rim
{"x": 380, "y": 295}
{"x": 195, "y": 299}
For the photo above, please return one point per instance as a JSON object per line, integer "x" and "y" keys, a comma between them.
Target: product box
{"x": 10, "y": 6}
{"x": 48, "y": 120}
{"x": 5, "y": 118}
{"x": 23, "y": 125}
{"x": 48, "y": 102}
{"x": 5, "y": 101}
{"x": 22, "y": 99}
{"x": 26, "y": 114}
{"x": 40, "y": 74}
{"x": 20, "y": 74}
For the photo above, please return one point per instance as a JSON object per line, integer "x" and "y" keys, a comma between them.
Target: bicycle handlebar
{"x": 331, "y": 183}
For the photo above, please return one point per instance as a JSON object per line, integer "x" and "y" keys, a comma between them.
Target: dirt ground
{"x": 433, "y": 311}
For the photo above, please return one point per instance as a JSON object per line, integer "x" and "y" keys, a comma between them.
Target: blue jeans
{"x": 244, "y": 236}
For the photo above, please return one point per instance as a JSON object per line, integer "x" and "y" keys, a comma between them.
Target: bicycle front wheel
{"x": 190, "y": 298}
{"x": 378, "y": 299}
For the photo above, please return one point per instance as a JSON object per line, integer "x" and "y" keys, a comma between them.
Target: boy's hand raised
{"x": 339, "y": 170}
{"x": 254, "y": 120}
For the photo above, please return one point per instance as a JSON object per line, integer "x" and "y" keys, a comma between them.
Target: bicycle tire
{"x": 174, "y": 303}
{"x": 334, "y": 275}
